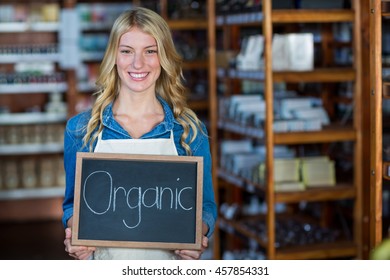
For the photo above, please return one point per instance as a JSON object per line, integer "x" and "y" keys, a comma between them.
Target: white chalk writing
{"x": 135, "y": 197}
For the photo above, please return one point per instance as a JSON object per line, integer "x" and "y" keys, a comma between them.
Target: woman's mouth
{"x": 138, "y": 75}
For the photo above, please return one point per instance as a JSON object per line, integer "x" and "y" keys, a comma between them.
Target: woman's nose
{"x": 138, "y": 61}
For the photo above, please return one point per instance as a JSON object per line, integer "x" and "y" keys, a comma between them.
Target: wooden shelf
{"x": 237, "y": 227}
{"x": 31, "y": 149}
{"x": 328, "y": 250}
{"x": 288, "y": 16}
{"x": 311, "y": 16}
{"x": 323, "y": 136}
{"x": 188, "y": 24}
{"x": 198, "y": 104}
{"x": 31, "y": 118}
{"x": 327, "y": 135}
{"x": 199, "y": 64}
{"x": 326, "y": 193}
{"x": 342, "y": 249}
{"x": 335, "y": 73}
{"x": 32, "y": 88}
{"x": 338, "y": 192}
{"x": 317, "y": 75}
{"x": 17, "y": 58}
{"x": 386, "y": 89}
{"x": 20, "y": 27}
{"x": 19, "y": 194}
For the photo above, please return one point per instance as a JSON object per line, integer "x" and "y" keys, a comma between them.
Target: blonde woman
{"x": 140, "y": 109}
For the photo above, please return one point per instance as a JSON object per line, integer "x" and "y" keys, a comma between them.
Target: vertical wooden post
{"x": 213, "y": 112}
{"x": 269, "y": 137}
{"x": 358, "y": 124}
{"x": 375, "y": 123}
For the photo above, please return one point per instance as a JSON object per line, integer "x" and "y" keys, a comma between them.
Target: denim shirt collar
{"x": 166, "y": 125}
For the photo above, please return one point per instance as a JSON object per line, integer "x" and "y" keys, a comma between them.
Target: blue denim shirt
{"x": 73, "y": 143}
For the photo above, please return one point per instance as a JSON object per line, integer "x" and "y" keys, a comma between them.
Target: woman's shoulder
{"x": 77, "y": 124}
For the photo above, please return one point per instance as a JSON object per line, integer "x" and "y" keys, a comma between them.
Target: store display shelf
{"x": 16, "y": 27}
{"x": 342, "y": 249}
{"x": 317, "y": 75}
{"x": 386, "y": 89}
{"x": 338, "y": 192}
{"x": 85, "y": 87}
{"x": 31, "y": 118}
{"x": 327, "y": 135}
{"x": 239, "y": 181}
{"x": 319, "y": 193}
{"x": 198, "y": 104}
{"x": 244, "y": 18}
{"x": 95, "y": 26}
{"x": 187, "y": 24}
{"x": 312, "y": 16}
{"x": 230, "y": 225}
{"x": 30, "y": 149}
{"x": 235, "y": 127}
{"x": 386, "y": 170}
{"x": 18, "y": 194}
{"x": 286, "y": 16}
{"x": 32, "y": 88}
{"x": 328, "y": 250}
{"x": 240, "y": 74}
{"x": 196, "y": 64}
{"x": 92, "y": 56}
{"x": 16, "y": 58}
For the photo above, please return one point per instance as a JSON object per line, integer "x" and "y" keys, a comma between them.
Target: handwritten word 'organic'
{"x": 136, "y": 198}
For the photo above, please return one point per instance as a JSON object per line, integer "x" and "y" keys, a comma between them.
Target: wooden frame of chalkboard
{"x": 138, "y": 201}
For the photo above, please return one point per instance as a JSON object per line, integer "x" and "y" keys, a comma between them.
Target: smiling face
{"x": 137, "y": 62}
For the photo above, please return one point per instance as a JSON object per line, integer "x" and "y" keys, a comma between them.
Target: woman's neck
{"x": 138, "y": 114}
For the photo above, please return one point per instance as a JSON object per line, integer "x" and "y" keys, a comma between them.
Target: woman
{"x": 140, "y": 108}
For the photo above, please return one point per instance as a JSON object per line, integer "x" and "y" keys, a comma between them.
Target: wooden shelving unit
{"x": 379, "y": 87}
{"x": 27, "y": 42}
{"x": 351, "y": 190}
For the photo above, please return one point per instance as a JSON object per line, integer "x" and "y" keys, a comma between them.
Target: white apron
{"x": 158, "y": 146}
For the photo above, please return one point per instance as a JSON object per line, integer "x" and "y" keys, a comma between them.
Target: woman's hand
{"x": 77, "y": 252}
{"x": 193, "y": 254}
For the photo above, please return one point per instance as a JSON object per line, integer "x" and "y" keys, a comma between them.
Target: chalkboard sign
{"x": 138, "y": 201}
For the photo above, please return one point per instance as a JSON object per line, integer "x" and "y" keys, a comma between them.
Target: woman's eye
{"x": 151, "y": 51}
{"x": 125, "y": 51}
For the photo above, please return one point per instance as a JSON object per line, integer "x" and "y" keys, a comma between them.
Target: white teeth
{"x": 138, "y": 75}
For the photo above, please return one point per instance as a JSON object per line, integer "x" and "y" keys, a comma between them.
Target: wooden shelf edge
{"x": 337, "y": 192}
{"x": 342, "y": 249}
{"x": 198, "y": 104}
{"x": 188, "y": 24}
{"x": 323, "y": 136}
{"x": 34, "y": 193}
{"x": 293, "y": 137}
{"x": 239, "y": 229}
{"x": 32, "y": 209}
{"x": 314, "y": 16}
{"x": 317, "y": 75}
{"x": 329, "y": 250}
{"x": 324, "y": 193}
{"x": 386, "y": 89}
{"x": 386, "y": 170}
{"x": 329, "y": 75}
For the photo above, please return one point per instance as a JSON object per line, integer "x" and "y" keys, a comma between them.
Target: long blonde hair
{"x": 169, "y": 85}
